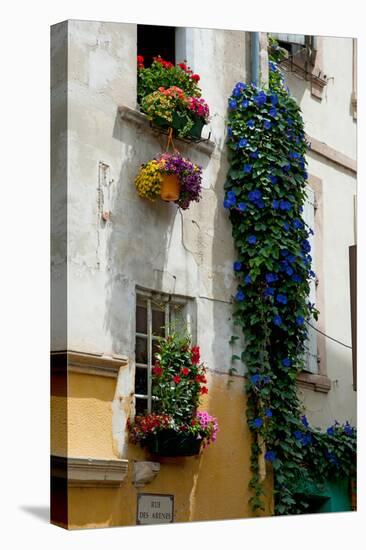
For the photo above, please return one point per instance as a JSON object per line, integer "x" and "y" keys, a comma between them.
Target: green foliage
{"x": 265, "y": 193}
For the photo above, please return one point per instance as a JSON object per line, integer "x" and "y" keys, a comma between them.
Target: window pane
{"x": 141, "y": 381}
{"x": 141, "y": 406}
{"x": 141, "y": 319}
{"x": 158, "y": 322}
{"x": 141, "y": 350}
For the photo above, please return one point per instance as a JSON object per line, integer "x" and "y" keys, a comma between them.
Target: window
{"x": 311, "y": 353}
{"x": 153, "y": 40}
{"x": 156, "y": 313}
{"x": 293, "y": 43}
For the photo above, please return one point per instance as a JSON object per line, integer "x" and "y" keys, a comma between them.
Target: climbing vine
{"x": 265, "y": 193}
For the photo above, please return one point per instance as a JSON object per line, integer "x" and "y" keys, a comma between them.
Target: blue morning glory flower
{"x": 274, "y": 99}
{"x": 286, "y": 168}
{"x": 247, "y": 279}
{"x": 298, "y": 435}
{"x": 270, "y": 456}
{"x": 277, "y": 320}
{"x": 267, "y": 124}
{"x": 306, "y": 439}
{"x": 294, "y": 155}
{"x": 255, "y": 378}
{"x": 240, "y": 296}
{"x": 289, "y": 271}
{"x": 268, "y": 413}
{"x": 231, "y": 195}
{"x": 286, "y": 226}
{"x": 285, "y": 205}
{"x": 252, "y": 239}
{"x": 291, "y": 258}
{"x": 266, "y": 380}
{"x": 281, "y": 298}
{"x": 304, "y": 420}
{"x": 348, "y": 430}
{"x": 330, "y": 431}
{"x": 271, "y": 277}
{"x": 290, "y": 121}
{"x": 250, "y": 123}
{"x": 305, "y": 245}
{"x": 247, "y": 168}
{"x": 257, "y": 423}
{"x": 273, "y": 111}
{"x": 229, "y": 131}
{"x": 273, "y": 179}
{"x": 269, "y": 291}
{"x": 242, "y": 206}
{"x": 232, "y": 104}
{"x": 284, "y": 252}
{"x": 275, "y": 204}
{"x": 243, "y": 142}
{"x": 297, "y": 224}
{"x": 259, "y": 203}
{"x": 300, "y": 320}
{"x": 254, "y": 195}
{"x": 237, "y": 266}
{"x": 260, "y": 99}
{"x": 286, "y": 362}
{"x": 254, "y": 154}
{"x": 245, "y": 103}
{"x": 272, "y": 66}
{"x": 312, "y": 274}
{"x": 227, "y": 203}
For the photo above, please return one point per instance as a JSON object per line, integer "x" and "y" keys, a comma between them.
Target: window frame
{"x": 145, "y": 295}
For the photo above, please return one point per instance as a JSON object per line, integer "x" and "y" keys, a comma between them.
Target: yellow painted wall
{"x": 211, "y": 486}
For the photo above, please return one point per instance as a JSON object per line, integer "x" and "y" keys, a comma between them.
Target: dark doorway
{"x": 153, "y": 40}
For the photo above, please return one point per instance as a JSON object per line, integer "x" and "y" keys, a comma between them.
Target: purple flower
{"x": 252, "y": 239}
{"x": 189, "y": 174}
{"x": 277, "y": 320}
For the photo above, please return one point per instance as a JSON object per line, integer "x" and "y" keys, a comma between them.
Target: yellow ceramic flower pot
{"x": 170, "y": 188}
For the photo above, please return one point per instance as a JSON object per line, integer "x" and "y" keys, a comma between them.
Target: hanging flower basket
{"x": 172, "y": 178}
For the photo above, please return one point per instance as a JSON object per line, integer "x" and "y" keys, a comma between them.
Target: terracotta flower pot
{"x": 170, "y": 188}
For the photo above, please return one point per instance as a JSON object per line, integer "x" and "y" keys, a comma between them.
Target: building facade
{"x": 122, "y": 266}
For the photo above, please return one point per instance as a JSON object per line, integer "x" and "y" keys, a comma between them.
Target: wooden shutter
{"x": 311, "y": 354}
{"x": 353, "y": 290}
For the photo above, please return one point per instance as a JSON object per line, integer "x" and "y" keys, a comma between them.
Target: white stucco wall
{"x": 330, "y": 121}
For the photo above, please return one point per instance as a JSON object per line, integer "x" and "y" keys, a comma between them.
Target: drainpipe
{"x": 255, "y": 58}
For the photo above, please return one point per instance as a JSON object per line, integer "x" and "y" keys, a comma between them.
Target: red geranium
{"x": 201, "y": 378}
{"x": 185, "y": 371}
{"x": 183, "y": 66}
{"x": 195, "y": 355}
{"x": 157, "y": 370}
{"x": 176, "y": 379}
{"x": 195, "y": 77}
{"x": 204, "y": 390}
{"x": 140, "y": 62}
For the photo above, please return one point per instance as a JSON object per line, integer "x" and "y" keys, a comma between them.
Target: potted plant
{"x": 171, "y": 97}
{"x": 176, "y": 427}
{"x": 172, "y": 177}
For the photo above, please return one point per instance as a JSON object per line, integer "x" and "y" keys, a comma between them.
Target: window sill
{"x": 89, "y": 472}
{"x": 315, "y": 382}
{"x": 87, "y": 363}
{"x": 133, "y": 116}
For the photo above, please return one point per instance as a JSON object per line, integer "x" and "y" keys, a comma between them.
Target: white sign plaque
{"x": 154, "y": 508}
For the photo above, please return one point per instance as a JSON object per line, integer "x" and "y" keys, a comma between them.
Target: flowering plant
{"x": 178, "y": 382}
{"x": 148, "y": 180}
{"x": 170, "y": 97}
